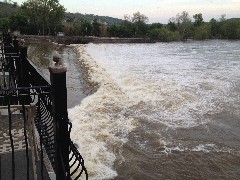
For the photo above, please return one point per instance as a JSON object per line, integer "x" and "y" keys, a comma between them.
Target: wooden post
{"x": 60, "y": 117}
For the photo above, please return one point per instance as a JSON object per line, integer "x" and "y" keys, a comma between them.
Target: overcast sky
{"x": 156, "y": 10}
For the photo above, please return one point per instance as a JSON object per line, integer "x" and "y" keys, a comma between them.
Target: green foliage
{"x": 178, "y": 28}
{"x": 124, "y": 30}
{"x": 225, "y": 28}
{"x": 131, "y": 27}
{"x": 127, "y": 29}
{"x": 184, "y": 25}
{"x": 140, "y": 27}
{"x": 163, "y": 34}
{"x": 18, "y": 22}
{"x": 222, "y": 18}
{"x": 154, "y": 33}
{"x": 80, "y": 28}
{"x": 202, "y": 32}
{"x": 73, "y": 17}
{"x": 48, "y": 17}
{"x": 155, "y": 25}
{"x": 172, "y": 24}
{"x": 139, "y": 18}
{"x": 7, "y": 9}
{"x": 86, "y": 28}
{"x": 115, "y": 31}
{"x": 214, "y": 28}
{"x": 96, "y": 28}
{"x": 4, "y": 24}
{"x": 44, "y": 16}
{"x": 198, "y": 19}
{"x": 230, "y": 29}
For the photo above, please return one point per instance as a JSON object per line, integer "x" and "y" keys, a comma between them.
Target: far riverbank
{"x": 85, "y": 40}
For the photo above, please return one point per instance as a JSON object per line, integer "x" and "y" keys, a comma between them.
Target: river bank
{"x": 85, "y": 39}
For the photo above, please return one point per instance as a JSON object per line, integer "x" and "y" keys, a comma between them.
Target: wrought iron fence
{"x": 23, "y": 87}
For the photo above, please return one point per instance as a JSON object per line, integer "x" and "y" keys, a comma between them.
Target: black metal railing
{"x": 23, "y": 85}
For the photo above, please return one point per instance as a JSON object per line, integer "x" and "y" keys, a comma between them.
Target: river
{"x": 161, "y": 111}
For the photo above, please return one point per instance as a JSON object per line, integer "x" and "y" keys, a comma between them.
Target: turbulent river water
{"x": 162, "y": 111}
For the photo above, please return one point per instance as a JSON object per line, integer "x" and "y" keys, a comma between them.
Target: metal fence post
{"x": 15, "y": 45}
{"x": 60, "y": 117}
{"x": 23, "y": 77}
{"x": 23, "y": 72}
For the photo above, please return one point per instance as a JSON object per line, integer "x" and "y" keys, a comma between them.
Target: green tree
{"x": 127, "y": 28}
{"x": 7, "y": 9}
{"x": 230, "y": 29}
{"x": 68, "y": 29}
{"x": 4, "y": 24}
{"x": 140, "y": 27}
{"x": 124, "y": 30}
{"x": 222, "y": 18}
{"x": 172, "y": 24}
{"x": 198, "y": 19}
{"x": 183, "y": 22}
{"x": 77, "y": 29}
{"x": 214, "y": 26}
{"x": 86, "y": 28}
{"x": 139, "y": 18}
{"x": 113, "y": 31}
{"x": 43, "y": 15}
{"x": 155, "y": 25}
{"x": 154, "y": 33}
{"x": 164, "y": 34}
{"x": 202, "y": 32}
{"x": 96, "y": 28}
{"x": 31, "y": 11}
{"x": 18, "y": 22}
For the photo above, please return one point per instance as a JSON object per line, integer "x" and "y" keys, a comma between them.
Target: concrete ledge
{"x": 85, "y": 40}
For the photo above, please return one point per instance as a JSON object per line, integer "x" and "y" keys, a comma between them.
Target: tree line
{"x": 35, "y": 17}
{"x": 47, "y": 17}
{"x": 180, "y": 27}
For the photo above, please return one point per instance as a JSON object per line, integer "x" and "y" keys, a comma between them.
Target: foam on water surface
{"x": 176, "y": 88}
{"x": 100, "y": 125}
{"x": 164, "y": 83}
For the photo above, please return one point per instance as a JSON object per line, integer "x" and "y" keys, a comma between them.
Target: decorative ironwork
{"x": 22, "y": 84}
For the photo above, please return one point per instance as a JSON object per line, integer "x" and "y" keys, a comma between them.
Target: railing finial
{"x": 59, "y": 66}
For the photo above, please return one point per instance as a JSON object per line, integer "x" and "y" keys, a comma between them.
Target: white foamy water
{"x": 100, "y": 125}
{"x": 179, "y": 85}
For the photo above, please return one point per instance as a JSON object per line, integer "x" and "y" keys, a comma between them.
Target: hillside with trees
{"x": 34, "y": 17}
{"x": 74, "y": 17}
{"x": 48, "y": 17}
{"x": 7, "y": 9}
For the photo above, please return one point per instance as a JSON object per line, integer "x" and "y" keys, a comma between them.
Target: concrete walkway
{"x": 20, "y": 157}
